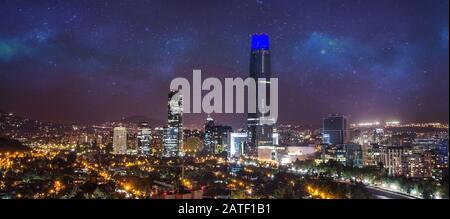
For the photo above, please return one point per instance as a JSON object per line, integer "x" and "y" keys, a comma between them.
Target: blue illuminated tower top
{"x": 260, "y": 42}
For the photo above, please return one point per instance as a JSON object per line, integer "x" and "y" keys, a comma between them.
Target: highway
{"x": 381, "y": 193}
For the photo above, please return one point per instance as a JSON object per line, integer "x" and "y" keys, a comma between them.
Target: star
{"x": 320, "y": 58}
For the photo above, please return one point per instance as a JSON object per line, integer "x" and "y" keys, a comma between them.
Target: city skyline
{"x": 80, "y": 62}
{"x": 217, "y": 100}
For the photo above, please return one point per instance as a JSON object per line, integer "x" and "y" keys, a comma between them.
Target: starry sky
{"x": 91, "y": 61}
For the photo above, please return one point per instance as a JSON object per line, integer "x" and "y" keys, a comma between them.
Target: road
{"x": 382, "y": 193}
{"x": 387, "y": 194}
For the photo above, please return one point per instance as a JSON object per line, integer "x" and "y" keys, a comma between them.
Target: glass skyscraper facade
{"x": 335, "y": 130}
{"x": 259, "y": 134}
{"x": 173, "y": 132}
{"x": 208, "y": 141}
{"x": 144, "y": 138}
{"x": 216, "y": 137}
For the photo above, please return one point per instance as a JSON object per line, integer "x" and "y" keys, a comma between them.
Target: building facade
{"x": 259, "y": 134}
{"x": 173, "y": 132}
{"x": 393, "y": 159}
{"x": 144, "y": 138}
{"x": 336, "y": 130}
{"x": 208, "y": 139}
{"x": 120, "y": 140}
{"x": 216, "y": 137}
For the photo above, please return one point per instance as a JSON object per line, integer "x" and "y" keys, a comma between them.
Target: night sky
{"x": 90, "y": 61}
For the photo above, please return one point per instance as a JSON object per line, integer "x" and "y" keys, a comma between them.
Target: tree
{"x": 238, "y": 194}
{"x": 279, "y": 193}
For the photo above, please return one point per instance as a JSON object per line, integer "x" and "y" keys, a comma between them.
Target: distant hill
{"x": 9, "y": 121}
{"x": 137, "y": 119}
{"x": 10, "y": 145}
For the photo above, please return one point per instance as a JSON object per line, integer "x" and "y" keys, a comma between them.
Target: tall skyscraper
{"x": 208, "y": 140}
{"x": 173, "y": 132}
{"x": 157, "y": 144}
{"x": 336, "y": 130}
{"x": 259, "y": 134}
{"x": 144, "y": 137}
{"x": 120, "y": 140}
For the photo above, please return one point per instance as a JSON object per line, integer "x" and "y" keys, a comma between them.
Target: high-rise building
{"x": 144, "y": 137}
{"x": 336, "y": 130}
{"x": 333, "y": 152}
{"x": 120, "y": 140}
{"x": 208, "y": 140}
{"x": 216, "y": 137}
{"x": 346, "y": 154}
{"x": 393, "y": 159}
{"x": 367, "y": 137}
{"x": 258, "y": 133}
{"x": 173, "y": 132}
{"x": 157, "y": 144}
{"x": 237, "y": 142}
{"x": 353, "y": 155}
{"x": 221, "y": 133}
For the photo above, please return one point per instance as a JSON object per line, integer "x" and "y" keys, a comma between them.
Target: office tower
{"x": 353, "y": 155}
{"x": 173, "y": 132}
{"x": 335, "y": 130}
{"x": 259, "y": 134}
{"x": 333, "y": 152}
{"x": 132, "y": 143}
{"x": 237, "y": 141}
{"x": 417, "y": 165}
{"x": 157, "y": 143}
{"x": 221, "y": 143}
{"x": 216, "y": 137}
{"x": 144, "y": 138}
{"x": 208, "y": 140}
{"x": 367, "y": 138}
{"x": 120, "y": 140}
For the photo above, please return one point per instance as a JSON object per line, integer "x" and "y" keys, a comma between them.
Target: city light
{"x": 393, "y": 186}
{"x": 392, "y": 123}
{"x": 369, "y": 124}
{"x": 119, "y": 109}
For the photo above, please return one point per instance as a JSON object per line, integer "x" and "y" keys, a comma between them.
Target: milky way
{"x": 90, "y": 61}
